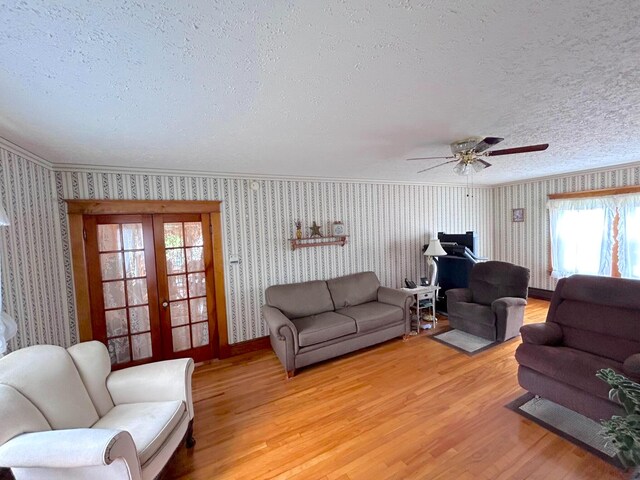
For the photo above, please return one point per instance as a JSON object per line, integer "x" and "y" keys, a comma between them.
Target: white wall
{"x": 527, "y": 243}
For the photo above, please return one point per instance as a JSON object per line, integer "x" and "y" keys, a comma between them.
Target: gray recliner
{"x": 493, "y": 305}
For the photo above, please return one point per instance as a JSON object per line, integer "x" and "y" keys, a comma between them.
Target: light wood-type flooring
{"x": 401, "y": 410}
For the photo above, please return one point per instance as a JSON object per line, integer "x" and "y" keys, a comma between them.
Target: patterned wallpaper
{"x": 387, "y": 224}
{"x": 34, "y": 281}
{"x": 527, "y": 243}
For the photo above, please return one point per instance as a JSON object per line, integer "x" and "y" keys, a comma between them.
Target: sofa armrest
{"x": 153, "y": 382}
{"x": 284, "y": 337}
{"x": 280, "y": 325}
{"x": 459, "y": 295}
{"x": 399, "y": 298}
{"x": 547, "y": 333}
{"x": 73, "y": 448}
{"x": 631, "y": 366}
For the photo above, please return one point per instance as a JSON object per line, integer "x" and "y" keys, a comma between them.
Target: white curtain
{"x": 629, "y": 235}
{"x": 581, "y": 236}
{"x": 8, "y": 327}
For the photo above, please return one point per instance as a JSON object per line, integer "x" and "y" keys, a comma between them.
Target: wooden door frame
{"x": 76, "y": 209}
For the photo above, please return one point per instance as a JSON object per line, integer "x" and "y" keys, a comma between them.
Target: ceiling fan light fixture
{"x": 467, "y": 154}
{"x": 462, "y": 168}
{"x": 478, "y": 166}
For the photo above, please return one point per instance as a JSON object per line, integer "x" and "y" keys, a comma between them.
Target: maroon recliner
{"x": 593, "y": 323}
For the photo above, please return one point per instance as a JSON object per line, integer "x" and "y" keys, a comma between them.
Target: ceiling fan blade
{"x": 486, "y": 164}
{"x": 510, "y": 151}
{"x": 429, "y": 158}
{"x": 487, "y": 142}
{"x": 436, "y": 166}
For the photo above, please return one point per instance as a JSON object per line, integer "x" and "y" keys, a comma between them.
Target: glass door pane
{"x": 123, "y": 286}
{"x": 187, "y": 283}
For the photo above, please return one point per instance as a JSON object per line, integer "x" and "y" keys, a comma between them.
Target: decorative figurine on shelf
{"x": 315, "y": 230}
{"x": 298, "y": 229}
{"x": 337, "y": 229}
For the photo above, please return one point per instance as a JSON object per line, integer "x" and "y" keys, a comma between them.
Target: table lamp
{"x": 433, "y": 250}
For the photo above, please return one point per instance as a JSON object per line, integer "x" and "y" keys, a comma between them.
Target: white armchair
{"x": 65, "y": 415}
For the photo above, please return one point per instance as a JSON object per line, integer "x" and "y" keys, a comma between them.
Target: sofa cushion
{"x": 604, "y": 330}
{"x": 475, "y": 312}
{"x": 614, "y": 292}
{"x": 300, "y": 299}
{"x": 354, "y": 289}
{"x": 374, "y": 315}
{"x": 94, "y": 366}
{"x": 567, "y": 365}
{"x": 150, "y": 424}
{"x": 322, "y": 327}
{"x": 48, "y": 378}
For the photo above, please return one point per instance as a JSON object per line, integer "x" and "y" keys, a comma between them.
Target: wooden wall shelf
{"x": 306, "y": 242}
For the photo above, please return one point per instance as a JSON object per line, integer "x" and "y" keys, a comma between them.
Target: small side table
{"x": 424, "y": 293}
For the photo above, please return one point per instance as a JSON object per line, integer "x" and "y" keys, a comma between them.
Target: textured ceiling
{"x": 344, "y": 89}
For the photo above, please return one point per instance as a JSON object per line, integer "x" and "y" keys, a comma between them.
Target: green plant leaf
{"x": 623, "y": 433}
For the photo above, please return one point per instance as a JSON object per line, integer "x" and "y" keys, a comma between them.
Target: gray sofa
{"x": 493, "y": 305}
{"x": 313, "y": 321}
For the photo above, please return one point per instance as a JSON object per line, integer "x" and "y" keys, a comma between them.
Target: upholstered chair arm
{"x": 459, "y": 295}
{"x": 548, "y": 333}
{"x": 509, "y": 312}
{"x": 398, "y": 298}
{"x": 631, "y": 366}
{"x": 74, "y": 448}
{"x": 153, "y": 382}
{"x": 506, "y": 302}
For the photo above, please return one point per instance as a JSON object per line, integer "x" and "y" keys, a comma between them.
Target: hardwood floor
{"x": 401, "y": 410}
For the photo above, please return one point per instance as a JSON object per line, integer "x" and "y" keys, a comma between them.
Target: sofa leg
{"x": 190, "y": 441}
{"x": 291, "y": 373}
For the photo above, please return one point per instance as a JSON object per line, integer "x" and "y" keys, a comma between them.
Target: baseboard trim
{"x": 253, "y": 345}
{"x": 540, "y": 293}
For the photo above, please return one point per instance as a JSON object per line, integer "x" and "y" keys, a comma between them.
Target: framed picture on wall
{"x": 517, "y": 215}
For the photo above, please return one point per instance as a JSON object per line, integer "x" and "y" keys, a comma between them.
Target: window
{"x": 629, "y": 236}
{"x": 583, "y": 236}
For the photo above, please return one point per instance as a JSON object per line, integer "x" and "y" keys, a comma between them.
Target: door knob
{"x": 165, "y": 304}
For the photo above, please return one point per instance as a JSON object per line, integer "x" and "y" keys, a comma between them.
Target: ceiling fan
{"x": 467, "y": 153}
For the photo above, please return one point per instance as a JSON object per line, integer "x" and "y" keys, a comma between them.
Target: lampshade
{"x": 4, "y": 218}
{"x": 434, "y": 249}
